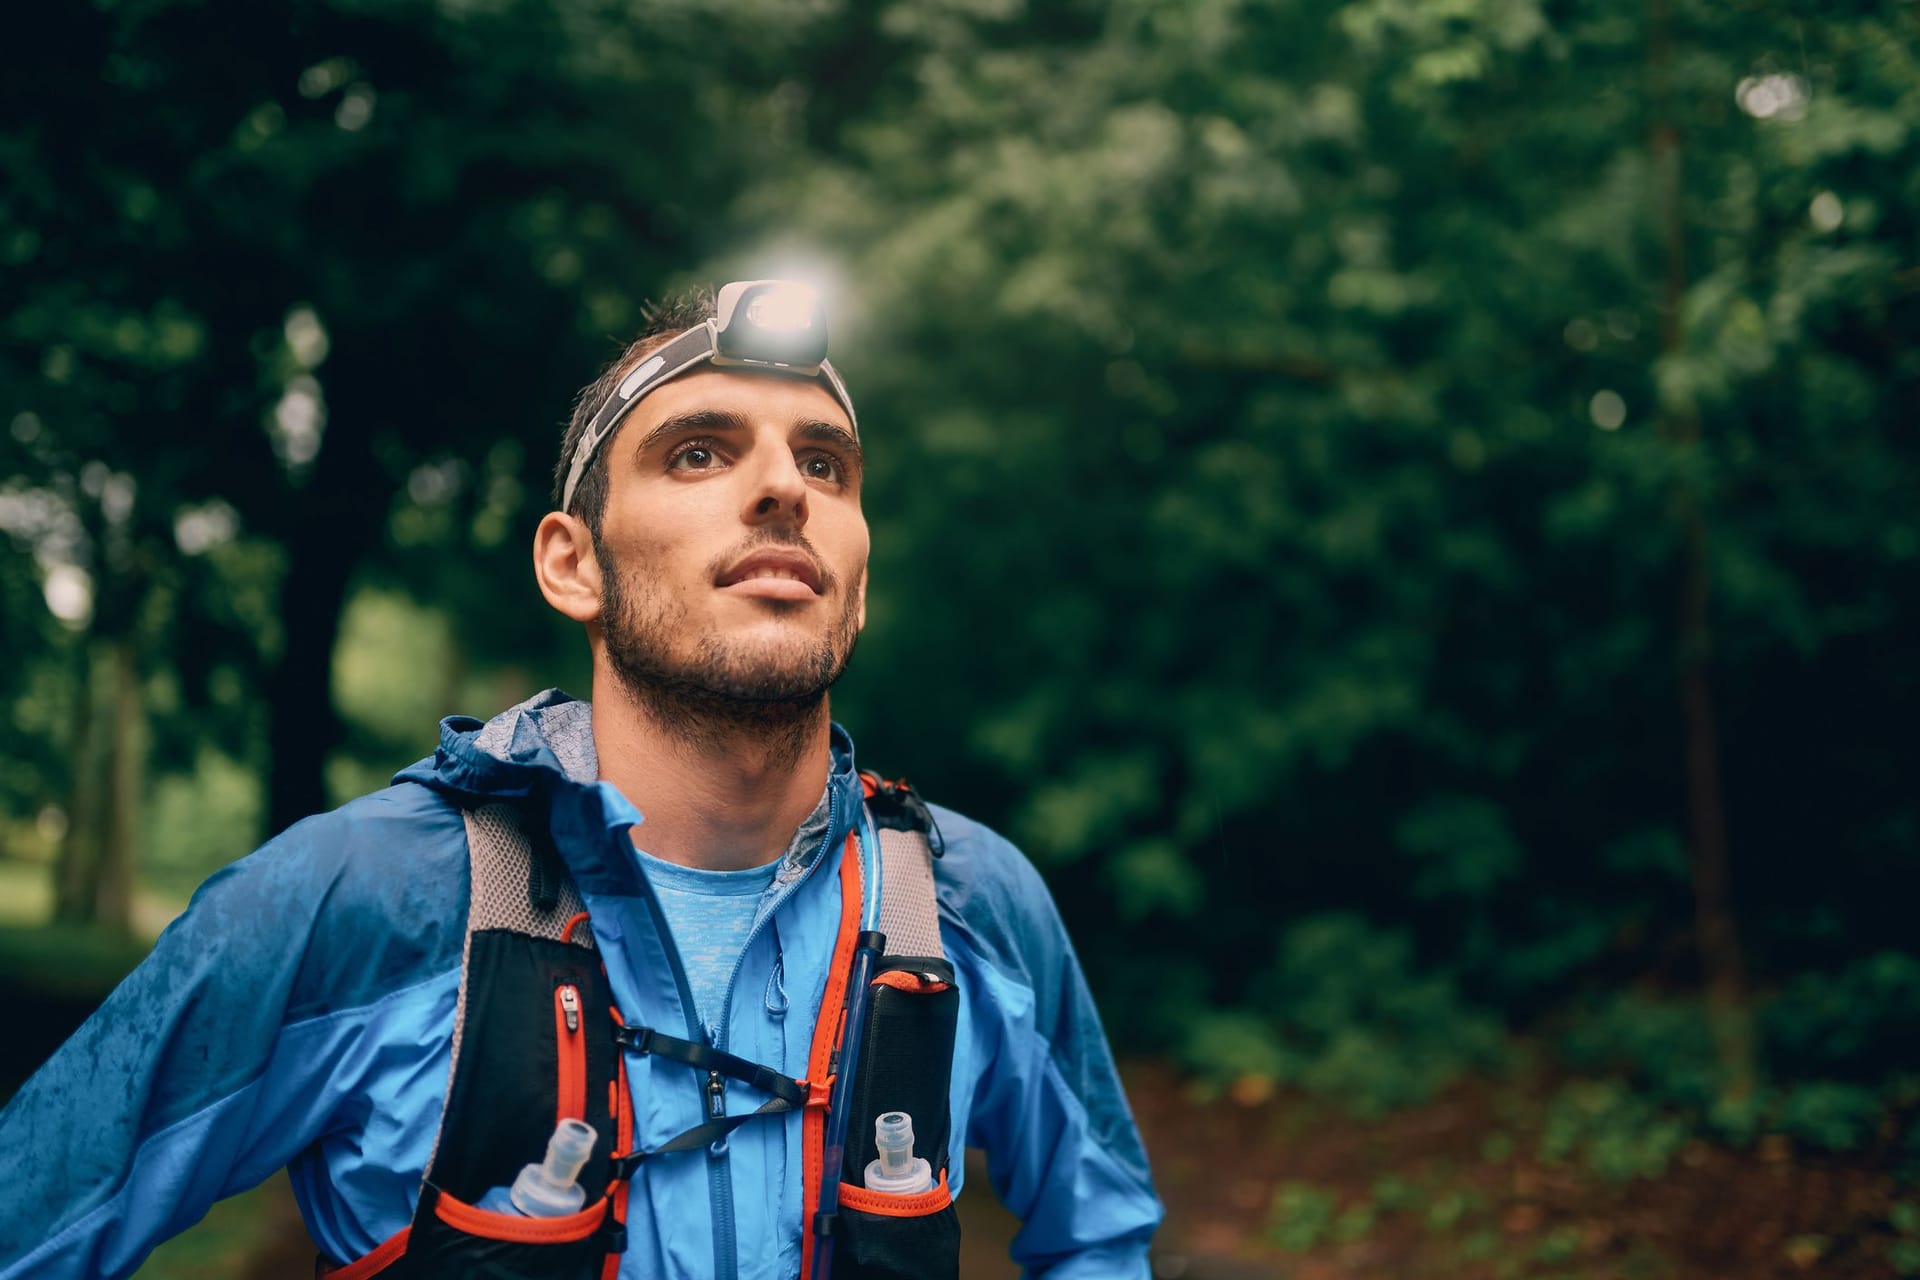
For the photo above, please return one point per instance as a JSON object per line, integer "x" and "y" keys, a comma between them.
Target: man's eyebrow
{"x": 818, "y": 432}
{"x": 692, "y": 420}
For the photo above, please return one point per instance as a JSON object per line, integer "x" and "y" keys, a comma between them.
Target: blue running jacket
{"x": 299, "y": 1014}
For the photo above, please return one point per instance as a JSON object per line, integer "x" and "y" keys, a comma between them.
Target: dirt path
{"x": 1456, "y": 1190}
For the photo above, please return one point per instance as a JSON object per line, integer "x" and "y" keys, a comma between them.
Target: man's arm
{"x": 1062, "y": 1148}
{"x": 214, "y": 1063}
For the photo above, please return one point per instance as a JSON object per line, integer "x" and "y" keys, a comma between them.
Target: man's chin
{"x": 772, "y": 676}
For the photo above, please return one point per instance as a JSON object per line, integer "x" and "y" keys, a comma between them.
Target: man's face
{"x": 733, "y": 548}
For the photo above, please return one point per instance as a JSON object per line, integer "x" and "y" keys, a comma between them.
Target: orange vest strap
{"x": 826, "y": 1040}
{"x": 383, "y": 1255}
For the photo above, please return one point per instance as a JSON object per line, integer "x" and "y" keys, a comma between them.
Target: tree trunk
{"x": 77, "y": 872}
{"x": 1715, "y": 928}
{"x": 335, "y": 518}
{"x": 126, "y": 775}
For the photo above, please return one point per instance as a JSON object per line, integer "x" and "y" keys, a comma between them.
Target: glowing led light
{"x": 783, "y": 310}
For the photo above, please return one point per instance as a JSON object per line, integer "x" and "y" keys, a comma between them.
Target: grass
{"x": 26, "y": 892}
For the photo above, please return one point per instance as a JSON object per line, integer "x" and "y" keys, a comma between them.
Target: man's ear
{"x": 566, "y": 567}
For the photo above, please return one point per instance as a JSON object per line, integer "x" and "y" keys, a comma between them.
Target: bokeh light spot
{"x": 1826, "y": 212}
{"x": 69, "y": 594}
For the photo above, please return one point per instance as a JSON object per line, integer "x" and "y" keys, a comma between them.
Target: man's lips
{"x": 773, "y": 575}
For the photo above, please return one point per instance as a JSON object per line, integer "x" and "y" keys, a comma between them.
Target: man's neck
{"x": 717, "y": 793}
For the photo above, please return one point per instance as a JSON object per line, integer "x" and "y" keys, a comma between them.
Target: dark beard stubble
{"x": 720, "y": 693}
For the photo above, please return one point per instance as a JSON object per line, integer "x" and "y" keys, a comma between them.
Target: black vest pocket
{"x": 877, "y": 1246}
{"x": 905, "y": 1064}
{"x": 455, "y": 1240}
{"x": 906, "y": 1061}
{"x": 530, "y": 1051}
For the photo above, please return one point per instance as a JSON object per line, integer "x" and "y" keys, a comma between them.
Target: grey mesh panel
{"x": 909, "y": 913}
{"x": 499, "y": 860}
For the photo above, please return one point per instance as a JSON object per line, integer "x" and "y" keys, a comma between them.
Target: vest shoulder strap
{"x": 909, "y": 906}
{"x": 516, "y": 887}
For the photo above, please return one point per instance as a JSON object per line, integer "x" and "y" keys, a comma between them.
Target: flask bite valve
{"x": 898, "y": 1171}
{"x": 550, "y": 1189}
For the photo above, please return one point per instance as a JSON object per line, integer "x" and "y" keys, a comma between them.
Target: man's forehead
{"x": 752, "y": 395}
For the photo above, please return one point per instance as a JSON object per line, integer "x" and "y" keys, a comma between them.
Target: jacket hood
{"x": 543, "y": 749}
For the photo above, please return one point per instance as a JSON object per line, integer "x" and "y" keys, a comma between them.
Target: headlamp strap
{"x": 670, "y": 361}
{"x": 695, "y": 345}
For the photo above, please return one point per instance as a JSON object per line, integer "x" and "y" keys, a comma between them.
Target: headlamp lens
{"x": 784, "y": 308}
{"x": 775, "y": 323}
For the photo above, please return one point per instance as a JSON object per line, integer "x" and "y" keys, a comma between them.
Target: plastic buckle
{"x": 615, "y": 1235}
{"x": 638, "y": 1039}
{"x": 823, "y": 1225}
{"x": 818, "y": 1092}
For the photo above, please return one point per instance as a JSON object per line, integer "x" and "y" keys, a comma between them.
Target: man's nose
{"x": 779, "y": 491}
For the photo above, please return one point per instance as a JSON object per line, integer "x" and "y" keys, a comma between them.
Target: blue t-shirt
{"x": 710, "y": 914}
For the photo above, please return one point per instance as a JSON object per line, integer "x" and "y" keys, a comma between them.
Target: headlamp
{"x": 771, "y": 326}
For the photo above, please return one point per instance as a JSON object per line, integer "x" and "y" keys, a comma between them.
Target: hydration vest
{"x": 537, "y": 1039}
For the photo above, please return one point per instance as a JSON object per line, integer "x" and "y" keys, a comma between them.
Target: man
{"x": 310, "y": 1007}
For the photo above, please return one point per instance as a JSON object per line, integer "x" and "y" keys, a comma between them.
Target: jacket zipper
{"x": 571, "y": 1038}
{"x": 719, "y": 1178}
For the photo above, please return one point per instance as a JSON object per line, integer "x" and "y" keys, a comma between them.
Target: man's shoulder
{"x": 372, "y": 894}
{"x": 977, "y": 862}
{"x": 369, "y": 843}
{"x": 994, "y": 897}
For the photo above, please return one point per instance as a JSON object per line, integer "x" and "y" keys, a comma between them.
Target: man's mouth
{"x": 774, "y": 574}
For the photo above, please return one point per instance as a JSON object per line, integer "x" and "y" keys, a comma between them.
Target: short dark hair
{"x": 660, "y": 322}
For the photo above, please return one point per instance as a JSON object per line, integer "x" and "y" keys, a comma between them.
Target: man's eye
{"x": 693, "y": 457}
{"x": 821, "y": 467}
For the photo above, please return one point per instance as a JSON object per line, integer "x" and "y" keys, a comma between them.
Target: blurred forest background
{"x": 1408, "y": 510}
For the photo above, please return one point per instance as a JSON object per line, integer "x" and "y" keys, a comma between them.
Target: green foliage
{"x": 387, "y": 640}
{"x": 1343, "y": 1012}
{"x": 1306, "y": 497}
{"x": 1560, "y": 1245}
{"x": 1302, "y": 1216}
{"x": 1462, "y": 846}
{"x": 201, "y": 820}
{"x": 1612, "y": 1131}
{"x": 1394, "y": 1193}
{"x": 1861, "y": 1022}
{"x": 1833, "y": 1050}
{"x": 1663, "y": 1046}
{"x": 1228, "y": 1044}
{"x": 1839, "y": 1117}
{"x": 1904, "y": 1254}
{"x": 1448, "y": 1209}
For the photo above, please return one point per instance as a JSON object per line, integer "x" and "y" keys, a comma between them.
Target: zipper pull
{"x": 570, "y": 1006}
{"x": 716, "y": 1095}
